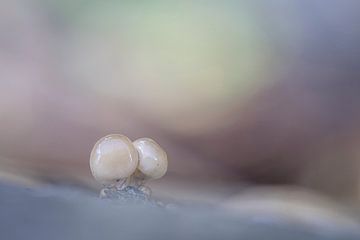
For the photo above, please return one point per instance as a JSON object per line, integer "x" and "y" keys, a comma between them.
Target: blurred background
{"x": 239, "y": 93}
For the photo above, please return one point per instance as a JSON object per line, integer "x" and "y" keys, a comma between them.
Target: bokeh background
{"x": 239, "y": 93}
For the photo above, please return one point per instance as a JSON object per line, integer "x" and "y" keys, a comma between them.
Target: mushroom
{"x": 153, "y": 160}
{"x": 113, "y": 158}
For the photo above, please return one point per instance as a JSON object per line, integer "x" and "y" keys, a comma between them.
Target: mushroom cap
{"x": 153, "y": 162}
{"x": 113, "y": 157}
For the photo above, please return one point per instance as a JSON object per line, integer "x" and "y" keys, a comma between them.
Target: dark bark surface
{"x": 63, "y": 213}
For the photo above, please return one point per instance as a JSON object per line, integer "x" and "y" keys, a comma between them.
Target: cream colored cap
{"x": 153, "y": 162}
{"x": 113, "y": 157}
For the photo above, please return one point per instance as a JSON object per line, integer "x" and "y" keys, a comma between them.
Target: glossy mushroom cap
{"x": 153, "y": 161}
{"x": 113, "y": 157}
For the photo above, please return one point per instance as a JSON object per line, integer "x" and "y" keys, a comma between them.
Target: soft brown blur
{"x": 264, "y": 92}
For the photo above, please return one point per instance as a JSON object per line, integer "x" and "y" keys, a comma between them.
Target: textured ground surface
{"x": 58, "y": 213}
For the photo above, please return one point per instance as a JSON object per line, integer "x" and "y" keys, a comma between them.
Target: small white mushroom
{"x": 113, "y": 157}
{"x": 153, "y": 161}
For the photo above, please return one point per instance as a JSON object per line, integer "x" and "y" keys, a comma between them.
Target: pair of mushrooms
{"x": 115, "y": 159}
